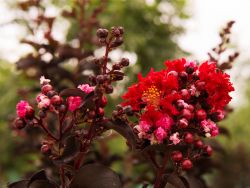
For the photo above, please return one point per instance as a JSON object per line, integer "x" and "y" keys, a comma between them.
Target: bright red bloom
{"x": 217, "y": 85}
{"x": 151, "y": 90}
{"x": 171, "y": 100}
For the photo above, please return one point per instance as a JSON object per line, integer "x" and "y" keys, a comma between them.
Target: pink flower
{"x": 43, "y": 101}
{"x": 44, "y": 81}
{"x": 160, "y": 134}
{"x": 165, "y": 122}
{"x": 220, "y": 114}
{"x": 74, "y": 102}
{"x": 86, "y": 88}
{"x": 210, "y": 128}
{"x": 21, "y": 108}
{"x": 192, "y": 64}
{"x": 175, "y": 138}
{"x": 144, "y": 126}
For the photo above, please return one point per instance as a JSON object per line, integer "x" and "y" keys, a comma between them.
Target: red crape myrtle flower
{"x": 185, "y": 96}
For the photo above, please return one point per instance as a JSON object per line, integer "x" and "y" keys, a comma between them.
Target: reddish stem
{"x": 62, "y": 174}
{"x": 46, "y": 130}
{"x": 160, "y": 172}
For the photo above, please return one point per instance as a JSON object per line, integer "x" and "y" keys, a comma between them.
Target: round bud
{"x": 45, "y": 149}
{"x": 109, "y": 89}
{"x": 187, "y": 114}
{"x": 102, "y": 33}
{"x": 125, "y": 62}
{"x": 198, "y": 144}
{"x": 101, "y": 111}
{"x": 19, "y": 123}
{"x": 189, "y": 69}
{"x": 176, "y": 156}
{"x": 180, "y": 104}
{"x": 121, "y": 29}
{"x": 117, "y": 42}
{"x": 195, "y": 76}
{"x": 29, "y": 112}
{"x": 51, "y": 93}
{"x": 173, "y": 73}
{"x": 183, "y": 76}
{"x": 116, "y": 67}
{"x": 92, "y": 79}
{"x": 185, "y": 94}
{"x": 200, "y": 85}
{"x": 42, "y": 114}
{"x": 209, "y": 150}
{"x": 201, "y": 114}
{"x": 189, "y": 138}
{"x": 62, "y": 108}
{"x": 104, "y": 101}
{"x": 186, "y": 164}
{"x": 56, "y": 100}
{"x": 182, "y": 123}
{"x": 91, "y": 114}
{"x": 128, "y": 110}
{"x": 100, "y": 79}
{"x": 46, "y": 88}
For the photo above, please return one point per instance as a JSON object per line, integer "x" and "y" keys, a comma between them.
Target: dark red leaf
{"x": 95, "y": 176}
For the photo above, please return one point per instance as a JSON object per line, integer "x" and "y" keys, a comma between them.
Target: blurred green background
{"x": 149, "y": 40}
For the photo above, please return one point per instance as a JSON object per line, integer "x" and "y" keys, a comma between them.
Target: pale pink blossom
{"x": 44, "y": 81}
{"x": 86, "y": 88}
{"x": 160, "y": 134}
{"x": 144, "y": 126}
{"x": 175, "y": 138}
{"x": 210, "y": 127}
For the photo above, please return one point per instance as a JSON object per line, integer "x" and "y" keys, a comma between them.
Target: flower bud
{"x": 183, "y": 76}
{"x": 46, "y": 88}
{"x": 186, "y": 164}
{"x": 187, "y": 114}
{"x": 42, "y": 114}
{"x": 56, "y": 100}
{"x": 185, "y": 94}
{"x": 19, "y": 123}
{"x": 198, "y": 144}
{"x": 102, "y": 33}
{"x": 109, "y": 89}
{"x": 104, "y": 101}
{"x": 45, "y": 149}
{"x": 62, "y": 108}
{"x": 101, "y": 111}
{"x": 117, "y": 42}
{"x": 29, "y": 112}
{"x": 209, "y": 150}
{"x": 189, "y": 138}
{"x": 125, "y": 62}
{"x": 201, "y": 114}
{"x": 100, "y": 79}
{"x": 182, "y": 123}
{"x": 176, "y": 156}
{"x": 50, "y": 94}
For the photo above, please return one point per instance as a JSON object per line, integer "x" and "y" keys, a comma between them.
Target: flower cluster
{"x": 48, "y": 100}
{"x": 180, "y": 103}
